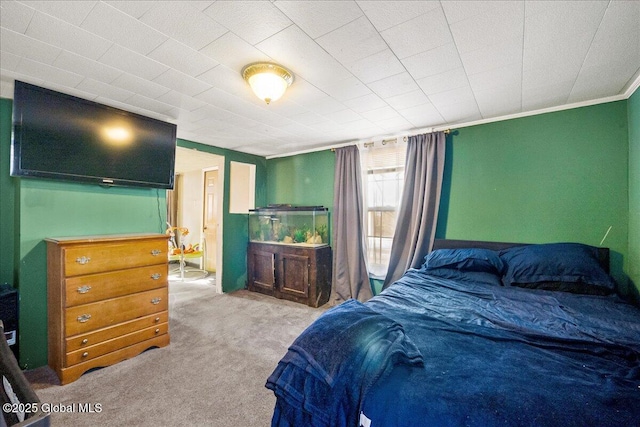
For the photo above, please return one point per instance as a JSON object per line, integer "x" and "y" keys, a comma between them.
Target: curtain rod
{"x": 388, "y": 140}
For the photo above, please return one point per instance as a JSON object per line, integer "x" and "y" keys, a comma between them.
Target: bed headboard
{"x": 603, "y": 253}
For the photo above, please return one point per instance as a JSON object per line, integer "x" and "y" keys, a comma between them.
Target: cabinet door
{"x": 262, "y": 265}
{"x": 294, "y": 277}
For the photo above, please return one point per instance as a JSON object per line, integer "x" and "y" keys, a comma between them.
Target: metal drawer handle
{"x": 84, "y": 341}
{"x": 156, "y": 301}
{"x": 157, "y": 331}
{"x": 156, "y": 252}
{"x": 156, "y": 276}
{"x": 85, "y": 354}
{"x": 84, "y": 289}
{"x": 157, "y": 319}
{"x": 83, "y": 260}
{"x": 84, "y": 318}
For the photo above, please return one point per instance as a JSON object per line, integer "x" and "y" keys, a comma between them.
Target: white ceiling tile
{"x": 132, "y": 62}
{"x": 461, "y": 95}
{"x": 228, "y": 80}
{"x": 48, "y": 73}
{"x": 376, "y": 67}
{"x": 320, "y": 17}
{"x": 299, "y": 53}
{"x": 15, "y": 16}
{"x": 137, "y": 9}
{"x": 380, "y": 114}
{"x": 87, "y": 67}
{"x": 423, "y": 115}
{"x": 394, "y": 85}
{"x": 125, "y": 30}
{"x": 73, "y": 12}
{"x": 66, "y": 36}
{"x": 183, "y": 22}
{"x": 9, "y": 61}
{"x": 407, "y": 100}
{"x": 182, "y": 58}
{"x": 386, "y": 14}
{"x": 451, "y": 79}
{"x": 434, "y": 61}
{"x": 104, "y": 90}
{"x": 503, "y": 22}
{"x": 233, "y": 52}
{"x": 460, "y": 112}
{"x": 495, "y": 78}
{"x": 420, "y": 34}
{"x": 181, "y": 82}
{"x": 347, "y": 89}
{"x": 547, "y": 96}
{"x": 353, "y": 41}
{"x": 504, "y": 100}
{"x": 140, "y": 86}
{"x": 253, "y": 21}
{"x": 21, "y": 45}
{"x": 566, "y": 22}
{"x": 505, "y": 52}
{"x": 180, "y": 100}
{"x": 149, "y": 104}
{"x": 394, "y": 124}
{"x": 365, "y": 103}
{"x": 456, "y": 11}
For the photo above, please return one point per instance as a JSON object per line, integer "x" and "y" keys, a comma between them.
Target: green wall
{"x": 305, "y": 179}
{"x": 552, "y": 177}
{"x": 8, "y": 242}
{"x": 633, "y": 112}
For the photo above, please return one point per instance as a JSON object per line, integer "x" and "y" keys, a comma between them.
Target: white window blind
{"x": 383, "y": 168}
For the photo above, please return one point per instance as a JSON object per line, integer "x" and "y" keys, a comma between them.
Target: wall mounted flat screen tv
{"x": 61, "y": 136}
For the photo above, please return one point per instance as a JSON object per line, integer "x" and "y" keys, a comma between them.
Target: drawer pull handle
{"x": 157, "y": 319}
{"x": 156, "y": 301}
{"x": 83, "y": 260}
{"x": 157, "y": 331}
{"x": 156, "y": 276}
{"x": 84, "y": 289}
{"x": 84, "y": 341}
{"x": 85, "y": 354}
{"x": 156, "y": 252}
{"x": 84, "y": 318}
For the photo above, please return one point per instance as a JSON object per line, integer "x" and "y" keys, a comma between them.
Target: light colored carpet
{"x": 223, "y": 348}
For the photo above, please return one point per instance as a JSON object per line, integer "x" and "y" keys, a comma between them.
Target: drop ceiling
{"x": 363, "y": 69}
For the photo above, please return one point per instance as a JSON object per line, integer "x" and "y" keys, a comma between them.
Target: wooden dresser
{"x": 107, "y": 300}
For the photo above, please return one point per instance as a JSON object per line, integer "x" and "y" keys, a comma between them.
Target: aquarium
{"x": 290, "y": 225}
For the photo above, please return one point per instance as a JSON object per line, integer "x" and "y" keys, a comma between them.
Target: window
{"x": 384, "y": 179}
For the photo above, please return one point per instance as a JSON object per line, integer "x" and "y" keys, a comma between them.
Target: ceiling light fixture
{"x": 268, "y": 81}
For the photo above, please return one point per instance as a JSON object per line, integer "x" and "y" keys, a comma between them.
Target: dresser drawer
{"x": 96, "y": 315}
{"x": 118, "y": 343}
{"x": 90, "y": 259}
{"x": 83, "y": 341}
{"x": 95, "y": 287}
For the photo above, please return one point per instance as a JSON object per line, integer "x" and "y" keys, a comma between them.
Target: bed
{"x": 483, "y": 334}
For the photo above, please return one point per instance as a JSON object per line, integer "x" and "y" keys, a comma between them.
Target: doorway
{"x": 198, "y": 198}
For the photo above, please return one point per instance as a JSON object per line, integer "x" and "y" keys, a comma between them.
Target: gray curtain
{"x": 418, "y": 211}
{"x": 350, "y": 276}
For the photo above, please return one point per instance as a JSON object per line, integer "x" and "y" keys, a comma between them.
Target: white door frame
{"x": 219, "y": 214}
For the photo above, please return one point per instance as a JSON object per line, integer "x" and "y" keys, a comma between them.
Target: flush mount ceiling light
{"x": 268, "y": 81}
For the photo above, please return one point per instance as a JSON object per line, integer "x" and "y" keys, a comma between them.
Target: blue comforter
{"x": 486, "y": 356}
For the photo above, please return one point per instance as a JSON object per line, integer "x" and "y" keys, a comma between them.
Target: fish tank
{"x": 290, "y": 225}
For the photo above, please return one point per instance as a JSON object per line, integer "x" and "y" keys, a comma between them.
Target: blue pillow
{"x": 468, "y": 259}
{"x": 569, "y": 267}
{"x": 475, "y": 277}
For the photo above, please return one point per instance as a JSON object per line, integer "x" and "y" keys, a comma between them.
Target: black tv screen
{"x": 64, "y": 137}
